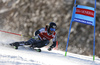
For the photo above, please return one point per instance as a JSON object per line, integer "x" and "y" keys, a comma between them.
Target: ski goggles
{"x": 52, "y": 29}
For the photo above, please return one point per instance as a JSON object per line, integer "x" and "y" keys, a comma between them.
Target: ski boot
{"x": 15, "y": 44}
{"x": 38, "y": 50}
{"x": 34, "y": 48}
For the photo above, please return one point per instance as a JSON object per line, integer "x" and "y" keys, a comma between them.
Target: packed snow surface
{"x": 26, "y": 56}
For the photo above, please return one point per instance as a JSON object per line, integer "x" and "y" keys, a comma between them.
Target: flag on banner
{"x": 84, "y": 14}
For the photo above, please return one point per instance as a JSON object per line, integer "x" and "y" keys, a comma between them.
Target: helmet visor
{"x": 52, "y": 29}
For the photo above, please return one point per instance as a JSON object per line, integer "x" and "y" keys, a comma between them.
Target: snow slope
{"x": 25, "y": 56}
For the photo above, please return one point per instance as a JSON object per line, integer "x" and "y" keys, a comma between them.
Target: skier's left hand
{"x": 50, "y": 48}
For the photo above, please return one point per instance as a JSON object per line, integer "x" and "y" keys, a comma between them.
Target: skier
{"x": 41, "y": 38}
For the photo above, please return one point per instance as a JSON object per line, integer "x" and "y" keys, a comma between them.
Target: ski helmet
{"x": 52, "y": 25}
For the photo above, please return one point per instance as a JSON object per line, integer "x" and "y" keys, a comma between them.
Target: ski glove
{"x": 50, "y": 48}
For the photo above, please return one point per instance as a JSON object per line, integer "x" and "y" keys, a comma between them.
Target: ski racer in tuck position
{"x": 41, "y": 38}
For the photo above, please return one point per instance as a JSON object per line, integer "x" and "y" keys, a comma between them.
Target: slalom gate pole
{"x": 11, "y": 33}
{"x": 70, "y": 27}
{"x": 94, "y": 33}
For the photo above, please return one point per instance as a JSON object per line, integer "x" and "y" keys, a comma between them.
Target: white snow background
{"x": 25, "y": 56}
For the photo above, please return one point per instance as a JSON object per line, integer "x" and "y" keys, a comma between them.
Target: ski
{"x": 31, "y": 48}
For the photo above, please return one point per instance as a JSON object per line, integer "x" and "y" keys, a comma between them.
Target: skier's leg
{"x": 16, "y": 44}
{"x": 41, "y": 43}
{"x": 29, "y": 42}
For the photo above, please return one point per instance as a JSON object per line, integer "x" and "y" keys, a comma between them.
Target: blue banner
{"x": 84, "y": 14}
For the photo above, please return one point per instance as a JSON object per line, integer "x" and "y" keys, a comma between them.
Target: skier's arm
{"x": 52, "y": 46}
{"x": 39, "y": 31}
{"x": 54, "y": 43}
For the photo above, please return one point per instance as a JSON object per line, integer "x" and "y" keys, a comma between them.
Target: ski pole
{"x": 13, "y": 33}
